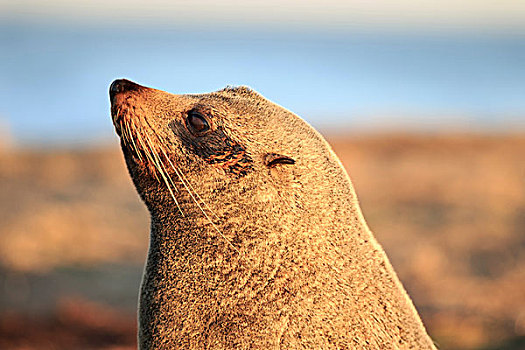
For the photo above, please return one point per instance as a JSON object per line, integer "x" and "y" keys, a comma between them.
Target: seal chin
{"x": 116, "y": 118}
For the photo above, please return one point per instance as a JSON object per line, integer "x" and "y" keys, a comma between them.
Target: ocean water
{"x": 54, "y": 79}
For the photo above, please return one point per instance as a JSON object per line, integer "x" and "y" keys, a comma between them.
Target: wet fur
{"x": 261, "y": 257}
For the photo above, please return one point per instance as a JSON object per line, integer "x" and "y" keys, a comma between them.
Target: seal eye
{"x": 197, "y": 123}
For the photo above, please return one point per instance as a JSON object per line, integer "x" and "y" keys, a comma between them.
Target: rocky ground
{"x": 448, "y": 209}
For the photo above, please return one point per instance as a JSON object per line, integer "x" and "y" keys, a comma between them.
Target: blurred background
{"x": 423, "y": 101}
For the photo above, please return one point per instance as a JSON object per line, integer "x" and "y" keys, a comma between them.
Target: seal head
{"x": 257, "y": 240}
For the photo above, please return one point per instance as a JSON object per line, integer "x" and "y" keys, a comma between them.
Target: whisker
{"x": 178, "y": 173}
{"x": 123, "y": 132}
{"x": 159, "y": 165}
{"x": 133, "y": 139}
{"x": 186, "y": 182}
{"x": 147, "y": 153}
{"x": 115, "y": 117}
{"x": 197, "y": 194}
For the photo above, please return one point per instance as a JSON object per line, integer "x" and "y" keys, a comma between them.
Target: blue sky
{"x": 350, "y": 65}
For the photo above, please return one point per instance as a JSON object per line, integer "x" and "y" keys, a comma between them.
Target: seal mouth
{"x": 119, "y": 93}
{"x": 126, "y": 121}
{"x": 138, "y": 139}
{"x": 144, "y": 149}
{"x": 116, "y": 122}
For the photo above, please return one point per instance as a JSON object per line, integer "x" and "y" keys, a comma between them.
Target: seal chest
{"x": 257, "y": 239}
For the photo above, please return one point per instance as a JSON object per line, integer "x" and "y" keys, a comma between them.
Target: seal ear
{"x": 272, "y": 159}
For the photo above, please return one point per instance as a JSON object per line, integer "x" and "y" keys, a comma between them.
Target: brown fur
{"x": 247, "y": 254}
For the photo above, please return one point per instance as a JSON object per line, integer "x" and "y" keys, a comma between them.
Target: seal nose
{"x": 122, "y": 85}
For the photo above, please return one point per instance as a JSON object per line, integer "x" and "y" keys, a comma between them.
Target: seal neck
{"x": 195, "y": 284}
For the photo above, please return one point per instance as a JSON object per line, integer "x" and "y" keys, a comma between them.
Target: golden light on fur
{"x": 257, "y": 237}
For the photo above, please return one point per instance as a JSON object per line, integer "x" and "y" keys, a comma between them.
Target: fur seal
{"x": 257, "y": 238}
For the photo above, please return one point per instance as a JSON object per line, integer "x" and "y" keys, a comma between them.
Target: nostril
{"x": 121, "y": 85}
{"x": 117, "y": 86}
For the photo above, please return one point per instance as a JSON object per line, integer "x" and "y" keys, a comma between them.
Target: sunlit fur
{"x": 274, "y": 257}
